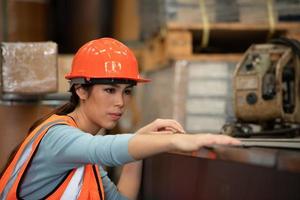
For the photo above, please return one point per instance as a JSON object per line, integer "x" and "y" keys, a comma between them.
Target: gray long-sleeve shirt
{"x": 64, "y": 148}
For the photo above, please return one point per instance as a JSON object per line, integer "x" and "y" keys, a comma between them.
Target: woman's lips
{"x": 115, "y": 116}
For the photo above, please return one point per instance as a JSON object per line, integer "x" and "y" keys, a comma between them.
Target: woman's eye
{"x": 110, "y": 90}
{"x": 128, "y": 92}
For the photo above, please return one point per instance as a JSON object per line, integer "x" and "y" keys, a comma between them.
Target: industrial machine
{"x": 266, "y": 87}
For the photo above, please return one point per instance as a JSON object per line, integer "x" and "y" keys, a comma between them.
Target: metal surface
{"x": 54, "y": 99}
{"x": 292, "y": 143}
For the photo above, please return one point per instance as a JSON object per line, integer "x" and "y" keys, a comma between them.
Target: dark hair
{"x": 62, "y": 110}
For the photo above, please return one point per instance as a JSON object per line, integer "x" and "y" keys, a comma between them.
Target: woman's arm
{"x": 142, "y": 146}
{"x": 148, "y": 141}
{"x": 130, "y": 180}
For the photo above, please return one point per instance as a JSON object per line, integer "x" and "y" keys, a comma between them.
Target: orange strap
{"x": 59, "y": 192}
{"x": 8, "y": 172}
{"x": 100, "y": 182}
{"x": 92, "y": 187}
{"x": 13, "y": 191}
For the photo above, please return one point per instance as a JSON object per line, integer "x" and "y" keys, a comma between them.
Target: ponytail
{"x": 62, "y": 110}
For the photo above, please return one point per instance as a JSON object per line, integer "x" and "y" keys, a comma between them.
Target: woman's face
{"x": 106, "y": 104}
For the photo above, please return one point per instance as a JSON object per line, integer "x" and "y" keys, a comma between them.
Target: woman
{"x": 62, "y": 157}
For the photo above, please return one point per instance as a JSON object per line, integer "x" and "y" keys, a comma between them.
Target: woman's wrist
{"x": 145, "y": 145}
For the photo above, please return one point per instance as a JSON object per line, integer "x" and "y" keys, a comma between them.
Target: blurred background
{"x": 189, "y": 48}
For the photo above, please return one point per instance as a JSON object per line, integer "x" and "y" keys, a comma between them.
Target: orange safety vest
{"x": 70, "y": 188}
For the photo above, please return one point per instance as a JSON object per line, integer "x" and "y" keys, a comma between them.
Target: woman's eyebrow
{"x": 118, "y": 86}
{"x": 114, "y": 85}
{"x": 129, "y": 86}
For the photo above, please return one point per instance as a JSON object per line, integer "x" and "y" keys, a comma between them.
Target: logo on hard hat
{"x": 112, "y": 66}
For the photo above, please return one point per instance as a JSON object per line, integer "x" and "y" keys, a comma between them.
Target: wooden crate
{"x": 158, "y": 50}
{"x": 187, "y": 39}
{"x": 159, "y": 12}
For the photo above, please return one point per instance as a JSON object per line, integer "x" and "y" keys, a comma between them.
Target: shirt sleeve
{"x": 70, "y": 147}
{"x": 110, "y": 189}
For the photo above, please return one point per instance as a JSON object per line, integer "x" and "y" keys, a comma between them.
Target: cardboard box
{"x": 29, "y": 68}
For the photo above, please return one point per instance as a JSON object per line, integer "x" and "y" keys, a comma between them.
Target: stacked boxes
{"x": 288, "y": 10}
{"x": 209, "y": 96}
{"x": 186, "y": 11}
{"x": 257, "y": 11}
{"x": 155, "y": 14}
{"x": 149, "y": 18}
{"x": 196, "y": 11}
{"x": 196, "y": 93}
{"x": 28, "y": 68}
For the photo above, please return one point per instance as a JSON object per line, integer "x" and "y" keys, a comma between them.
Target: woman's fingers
{"x": 173, "y": 130}
{"x": 168, "y": 124}
{"x": 228, "y": 140}
{"x": 162, "y": 132}
{"x": 211, "y": 139}
{"x": 159, "y": 125}
{"x": 193, "y": 142}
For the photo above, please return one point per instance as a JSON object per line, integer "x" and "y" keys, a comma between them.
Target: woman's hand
{"x": 193, "y": 142}
{"x": 145, "y": 145}
{"x": 162, "y": 126}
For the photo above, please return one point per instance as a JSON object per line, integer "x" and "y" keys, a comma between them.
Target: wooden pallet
{"x": 233, "y": 35}
{"x": 186, "y": 40}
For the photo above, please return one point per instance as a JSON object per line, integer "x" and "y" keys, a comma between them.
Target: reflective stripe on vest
{"x": 81, "y": 183}
{"x": 74, "y": 187}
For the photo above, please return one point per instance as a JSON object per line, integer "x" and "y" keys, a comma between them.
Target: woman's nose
{"x": 119, "y": 100}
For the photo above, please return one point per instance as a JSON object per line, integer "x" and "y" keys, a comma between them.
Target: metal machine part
{"x": 246, "y": 130}
{"x": 266, "y": 85}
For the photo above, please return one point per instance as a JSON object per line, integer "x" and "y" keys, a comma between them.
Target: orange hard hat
{"x": 105, "y": 58}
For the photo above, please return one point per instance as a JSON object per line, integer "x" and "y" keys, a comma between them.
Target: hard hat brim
{"x": 138, "y": 80}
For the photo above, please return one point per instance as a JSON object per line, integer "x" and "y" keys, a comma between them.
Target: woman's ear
{"x": 82, "y": 93}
